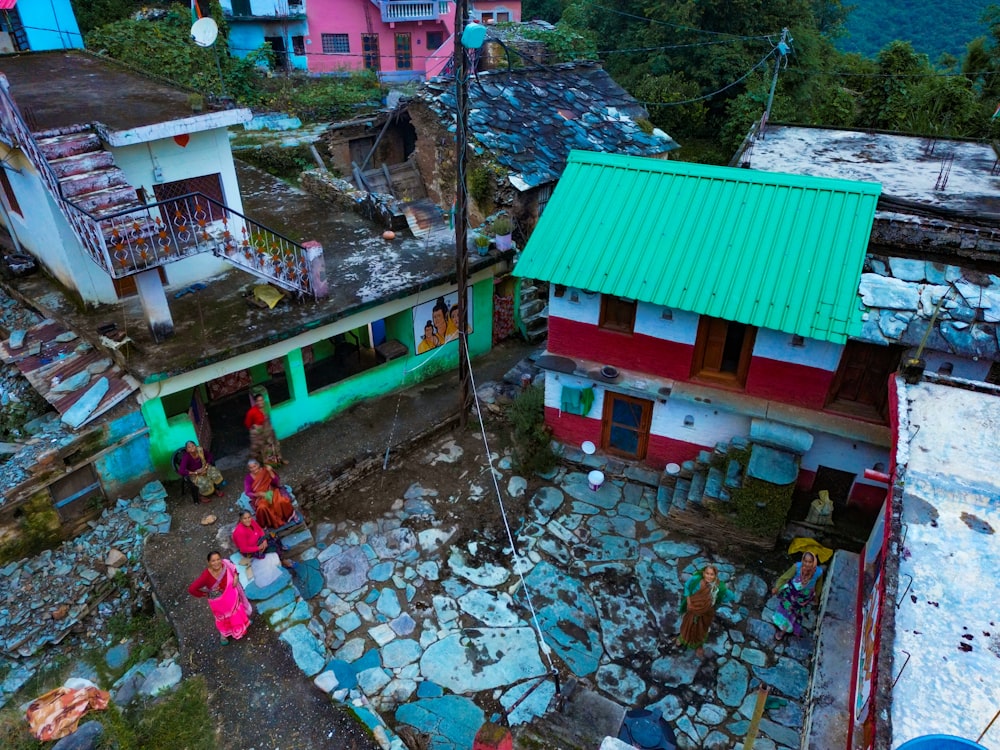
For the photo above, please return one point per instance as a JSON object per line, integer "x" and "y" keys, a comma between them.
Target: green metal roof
{"x": 772, "y": 250}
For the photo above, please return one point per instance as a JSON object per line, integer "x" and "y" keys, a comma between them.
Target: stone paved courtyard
{"x": 429, "y": 618}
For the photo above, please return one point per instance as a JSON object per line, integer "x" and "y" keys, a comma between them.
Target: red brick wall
{"x": 572, "y": 429}
{"x": 664, "y": 450}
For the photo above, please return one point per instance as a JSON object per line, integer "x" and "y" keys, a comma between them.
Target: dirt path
{"x": 259, "y": 697}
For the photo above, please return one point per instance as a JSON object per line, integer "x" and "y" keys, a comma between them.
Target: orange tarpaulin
{"x": 58, "y": 712}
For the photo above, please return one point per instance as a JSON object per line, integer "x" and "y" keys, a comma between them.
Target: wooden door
{"x": 625, "y": 425}
{"x": 861, "y": 385}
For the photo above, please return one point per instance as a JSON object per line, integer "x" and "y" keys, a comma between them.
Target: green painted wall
{"x": 304, "y": 409}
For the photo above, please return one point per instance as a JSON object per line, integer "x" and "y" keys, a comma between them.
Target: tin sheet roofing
{"x": 772, "y": 250}
{"x": 54, "y": 359}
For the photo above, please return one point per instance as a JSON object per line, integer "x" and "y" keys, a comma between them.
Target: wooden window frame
{"x": 609, "y": 323}
{"x": 737, "y": 379}
{"x": 370, "y": 52}
{"x": 645, "y": 422}
{"x": 435, "y": 42}
{"x": 403, "y": 52}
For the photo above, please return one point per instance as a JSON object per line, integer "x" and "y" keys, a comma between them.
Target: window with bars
{"x": 298, "y": 45}
{"x": 369, "y": 51}
{"x": 336, "y": 44}
{"x": 404, "y": 52}
{"x": 179, "y": 209}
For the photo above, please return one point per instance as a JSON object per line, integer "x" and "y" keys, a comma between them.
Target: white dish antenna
{"x": 205, "y": 31}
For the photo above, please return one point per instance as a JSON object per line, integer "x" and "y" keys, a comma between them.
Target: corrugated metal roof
{"x": 772, "y": 250}
{"x": 7, "y": 4}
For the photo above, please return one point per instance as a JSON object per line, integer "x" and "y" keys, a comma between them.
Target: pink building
{"x": 399, "y": 39}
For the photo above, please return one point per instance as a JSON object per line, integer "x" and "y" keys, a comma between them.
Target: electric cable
{"x": 546, "y": 649}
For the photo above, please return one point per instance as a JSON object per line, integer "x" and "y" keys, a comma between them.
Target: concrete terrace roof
{"x": 951, "y": 175}
{"x": 772, "y": 250}
{"x": 216, "y": 323}
{"x": 946, "y": 624}
{"x": 60, "y": 89}
{"x": 529, "y": 119}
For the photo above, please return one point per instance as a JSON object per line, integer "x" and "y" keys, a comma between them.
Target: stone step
{"x": 61, "y": 146}
{"x": 531, "y": 307}
{"x": 734, "y": 474}
{"x": 663, "y": 497}
{"x": 538, "y": 319}
{"x": 528, "y": 291}
{"x": 705, "y": 457}
{"x": 82, "y": 163}
{"x": 724, "y": 496}
{"x": 780, "y": 436}
{"x": 739, "y": 443}
{"x": 697, "y": 491}
{"x": 687, "y": 470}
{"x": 107, "y": 201}
{"x": 713, "y": 483}
{"x": 77, "y": 185}
{"x": 681, "y": 490}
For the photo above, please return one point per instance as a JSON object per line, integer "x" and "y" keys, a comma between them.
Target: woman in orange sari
{"x": 270, "y": 503}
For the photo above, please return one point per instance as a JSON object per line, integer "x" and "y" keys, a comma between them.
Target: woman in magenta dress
{"x": 220, "y": 583}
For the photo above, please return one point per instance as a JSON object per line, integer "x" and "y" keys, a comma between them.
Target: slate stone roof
{"x": 530, "y": 118}
{"x": 900, "y": 295}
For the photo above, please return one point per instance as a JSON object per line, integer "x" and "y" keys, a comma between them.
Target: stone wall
{"x": 376, "y": 207}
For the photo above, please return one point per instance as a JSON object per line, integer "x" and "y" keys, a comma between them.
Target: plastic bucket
{"x": 596, "y": 479}
{"x": 940, "y": 742}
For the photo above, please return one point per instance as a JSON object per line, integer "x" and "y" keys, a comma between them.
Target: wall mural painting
{"x": 435, "y": 322}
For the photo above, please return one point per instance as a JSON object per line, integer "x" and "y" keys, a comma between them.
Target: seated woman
{"x": 254, "y": 542}
{"x": 198, "y": 466}
{"x": 270, "y": 503}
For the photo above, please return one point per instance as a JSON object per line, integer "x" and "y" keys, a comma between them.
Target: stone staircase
{"x": 533, "y": 310}
{"x": 87, "y": 174}
{"x": 696, "y": 498}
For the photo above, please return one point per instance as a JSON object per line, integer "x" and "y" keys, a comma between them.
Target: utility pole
{"x": 782, "y": 48}
{"x": 461, "y": 206}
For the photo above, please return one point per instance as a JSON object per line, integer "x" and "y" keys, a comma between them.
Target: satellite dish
{"x": 205, "y": 31}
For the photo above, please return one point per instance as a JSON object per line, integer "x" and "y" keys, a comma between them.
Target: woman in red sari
{"x": 221, "y": 584}
{"x": 270, "y": 503}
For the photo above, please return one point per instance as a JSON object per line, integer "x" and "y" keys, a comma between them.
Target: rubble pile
{"x": 45, "y": 598}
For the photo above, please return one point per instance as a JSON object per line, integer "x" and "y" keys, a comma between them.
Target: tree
{"x": 91, "y": 14}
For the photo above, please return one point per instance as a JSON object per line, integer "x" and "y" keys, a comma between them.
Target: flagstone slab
{"x": 605, "y": 547}
{"x": 347, "y": 571}
{"x": 788, "y": 677}
{"x": 626, "y": 624}
{"x": 428, "y": 689}
{"x": 731, "y": 683}
{"x": 388, "y": 603}
{"x": 675, "y": 670}
{"x": 381, "y": 572}
{"x": 567, "y": 616}
{"x": 545, "y": 502}
{"x": 671, "y": 551}
{"x": 492, "y": 608}
{"x": 403, "y": 625}
{"x": 370, "y": 681}
{"x": 446, "y": 609}
{"x": 346, "y": 674}
{"x": 282, "y": 599}
{"x": 781, "y": 735}
{"x": 308, "y": 652}
{"x": 577, "y": 486}
{"x": 621, "y": 683}
{"x": 534, "y": 705}
{"x": 483, "y": 659}
{"x": 400, "y": 652}
{"x": 451, "y": 721}
{"x": 349, "y": 622}
{"x": 393, "y": 543}
{"x": 487, "y": 574}
{"x": 308, "y": 578}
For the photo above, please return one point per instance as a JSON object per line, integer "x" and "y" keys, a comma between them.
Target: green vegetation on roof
{"x": 771, "y": 250}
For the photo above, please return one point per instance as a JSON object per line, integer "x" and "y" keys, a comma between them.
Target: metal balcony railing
{"x": 396, "y": 11}
{"x": 159, "y": 233}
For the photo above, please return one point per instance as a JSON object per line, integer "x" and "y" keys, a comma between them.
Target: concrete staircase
{"x": 533, "y": 310}
{"x": 696, "y": 498}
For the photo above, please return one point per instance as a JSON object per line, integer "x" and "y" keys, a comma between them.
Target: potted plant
{"x": 503, "y": 228}
{"x": 482, "y": 244}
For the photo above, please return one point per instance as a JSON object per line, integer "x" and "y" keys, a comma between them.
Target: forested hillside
{"x": 931, "y": 26}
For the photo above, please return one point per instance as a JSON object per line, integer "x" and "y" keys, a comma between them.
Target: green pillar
{"x": 295, "y": 373}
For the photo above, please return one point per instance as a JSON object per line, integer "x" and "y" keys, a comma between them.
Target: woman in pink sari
{"x": 221, "y": 584}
